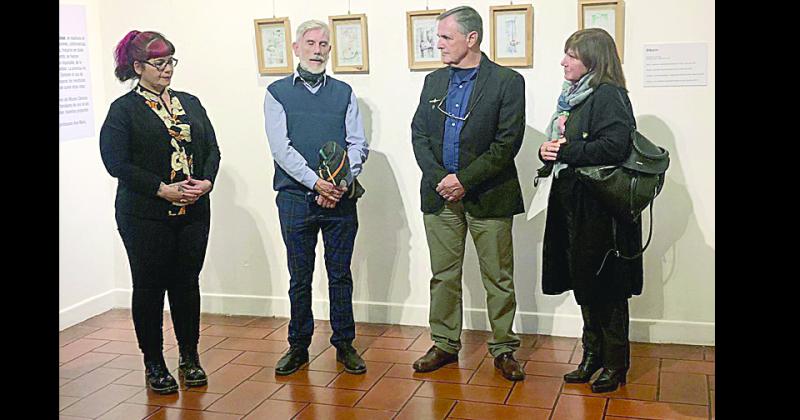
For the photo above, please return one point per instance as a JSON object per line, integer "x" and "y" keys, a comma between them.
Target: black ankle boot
{"x": 349, "y": 357}
{"x": 291, "y": 361}
{"x": 189, "y": 369}
{"x": 609, "y": 380}
{"x": 590, "y": 364}
{"x": 158, "y": 377}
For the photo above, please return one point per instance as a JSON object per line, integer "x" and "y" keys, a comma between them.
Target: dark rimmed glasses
{"x": 160, "y": 65}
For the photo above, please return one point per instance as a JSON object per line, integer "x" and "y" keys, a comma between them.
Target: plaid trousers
{"x": 301, "y": 220}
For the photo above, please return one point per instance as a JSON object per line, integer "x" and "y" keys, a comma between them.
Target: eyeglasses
{"x": 456, "y": 117}
{"x": 160, "y": 65}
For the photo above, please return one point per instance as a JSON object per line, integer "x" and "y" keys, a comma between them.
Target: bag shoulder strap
{"x": 622, "y": 99}
{"x": 616, "y": 252}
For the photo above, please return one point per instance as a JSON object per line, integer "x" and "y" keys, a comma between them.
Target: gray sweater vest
{"x": 312, "y": 119}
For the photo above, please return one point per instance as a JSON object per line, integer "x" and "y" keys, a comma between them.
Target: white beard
{"x": 321, "y": 68}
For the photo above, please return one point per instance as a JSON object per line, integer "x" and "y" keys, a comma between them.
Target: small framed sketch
{"x": 422, "y": 51}
{"x": 512, "y": 35}
{"x": 274, "y": 43}
{"x": 605, "y": 14}
{"x": 349, "y": 41}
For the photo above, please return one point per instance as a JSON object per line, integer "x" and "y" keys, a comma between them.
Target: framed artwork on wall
{"x": 604, "y": 14}
{"x": 349, "y": 41}
{"x": 274, "y": 43}
{"x": 511, "y": 29}
{"x": 421, "y": 31}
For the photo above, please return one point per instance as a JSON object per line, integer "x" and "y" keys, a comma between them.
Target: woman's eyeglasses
{"x": 160, "y": 65}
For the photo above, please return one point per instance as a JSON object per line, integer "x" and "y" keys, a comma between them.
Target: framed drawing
{"x": 605, "y": 14}
{"x": 349, "y": 41}
{"x": 421, "y": 29}
{"x": 511, "y": 30}
{"x": 274, "y": 43}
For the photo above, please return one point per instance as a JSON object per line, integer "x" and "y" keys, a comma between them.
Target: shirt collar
{"x": 296, "y": 75}
{"x": 457, "y": 76}
{"x": 149, "y": 94}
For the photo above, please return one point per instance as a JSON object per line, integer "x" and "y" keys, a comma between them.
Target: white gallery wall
{"x": 245, "y": 270}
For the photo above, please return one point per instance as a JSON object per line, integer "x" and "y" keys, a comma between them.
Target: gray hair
{"x": 312, "y": 24}
{"x": 467, "y": 18}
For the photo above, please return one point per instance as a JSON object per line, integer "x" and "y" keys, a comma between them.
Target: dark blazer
{"x": 135, "y": 148}
{"x": 490, "y": 139}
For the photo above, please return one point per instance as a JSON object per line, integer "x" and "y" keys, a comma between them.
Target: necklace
{"x": 160, "y": 97}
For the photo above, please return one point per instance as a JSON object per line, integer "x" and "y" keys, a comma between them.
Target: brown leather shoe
{"x": 434, "y": 359}
{"x": 509, "y": 367}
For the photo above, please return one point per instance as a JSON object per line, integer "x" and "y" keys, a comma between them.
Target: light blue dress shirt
{"x": 290, "y": 160}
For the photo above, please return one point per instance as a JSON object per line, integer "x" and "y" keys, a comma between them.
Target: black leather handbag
{"x": 626, "y": 189}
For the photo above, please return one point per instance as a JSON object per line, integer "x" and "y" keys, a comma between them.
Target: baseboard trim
{"x": 555, "y": 324}
{"x": 87, "y": 308}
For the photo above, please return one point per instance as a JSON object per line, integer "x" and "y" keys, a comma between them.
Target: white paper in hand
{"x": 539, "y": 202}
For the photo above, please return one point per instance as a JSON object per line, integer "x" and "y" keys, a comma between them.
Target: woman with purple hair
{"x": 161, "y": 147}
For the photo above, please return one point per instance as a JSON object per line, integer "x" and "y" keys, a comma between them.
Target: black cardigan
{"x": 489, "y": 141}
{"x": 135, "y": 148}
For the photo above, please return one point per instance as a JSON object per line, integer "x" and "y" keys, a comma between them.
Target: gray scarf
{"x": 572, "y": 94}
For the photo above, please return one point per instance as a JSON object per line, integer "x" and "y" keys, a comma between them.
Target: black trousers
{"x": 605, "y": 333}
{"x": 165, "y": 256}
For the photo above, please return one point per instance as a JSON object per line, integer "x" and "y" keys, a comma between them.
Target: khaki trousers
{"x": 446, "y": 233}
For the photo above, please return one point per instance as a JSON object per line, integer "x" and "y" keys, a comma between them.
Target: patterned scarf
{"x": 313, "y": 79}
{"x": 572, "y": 94}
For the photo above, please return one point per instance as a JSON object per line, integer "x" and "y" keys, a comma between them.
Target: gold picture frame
{"x": 350, "y": 44}
{"x": 274, "y": 44}
{"x": 421, "y": 35}
{"x": 506, "y": 34}
{"x": 605, "y": 14}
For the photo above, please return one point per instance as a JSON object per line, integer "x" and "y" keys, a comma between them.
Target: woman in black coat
{"x": 160, "y": 145}
{"x": 591, "y": 126}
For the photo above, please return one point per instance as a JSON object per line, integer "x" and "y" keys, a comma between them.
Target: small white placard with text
{"x": 671, "y": 65}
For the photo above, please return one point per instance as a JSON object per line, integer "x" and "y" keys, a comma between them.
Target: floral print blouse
{"x": 180, "y": 137}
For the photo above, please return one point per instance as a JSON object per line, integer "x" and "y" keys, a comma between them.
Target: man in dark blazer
{"x": 466, "y": 131}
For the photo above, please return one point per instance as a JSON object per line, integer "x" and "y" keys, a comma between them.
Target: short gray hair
{"x": 312, "y": 24}
{"x": 467, "y": 18}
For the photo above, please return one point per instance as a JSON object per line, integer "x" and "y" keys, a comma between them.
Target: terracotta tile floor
{"x": 100, "y": 376}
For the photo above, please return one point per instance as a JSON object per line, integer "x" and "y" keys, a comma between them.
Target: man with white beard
{"x": 303, "y": 112}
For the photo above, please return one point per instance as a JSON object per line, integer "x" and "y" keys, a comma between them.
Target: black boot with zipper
{"x": 616, "y": 347}
{"x": 590, "y": 364}
{"x": 609, "y": 380}
{"x": 592, "y": 347}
